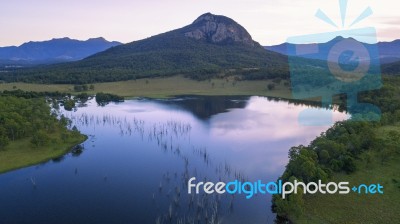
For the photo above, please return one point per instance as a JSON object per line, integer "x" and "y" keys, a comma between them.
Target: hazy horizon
{"x": 268, "y": 22}
{"x": 123, "y": 42}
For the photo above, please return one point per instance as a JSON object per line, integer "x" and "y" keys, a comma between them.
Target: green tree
{"x": 40, "y": 138}
{"x": 3, "y": 141}
{"x": 271, "y": 86}
{"x": 69, "y": 104}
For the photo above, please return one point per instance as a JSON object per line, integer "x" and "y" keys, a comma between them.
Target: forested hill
{"x": 391, "y": 68}
{"x": 211, "y": 45}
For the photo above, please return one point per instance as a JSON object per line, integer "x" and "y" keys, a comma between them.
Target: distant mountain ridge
{"x": 55, "y": 50}
{"x": 212, "y": 44}
{"x": 388, "y": 51}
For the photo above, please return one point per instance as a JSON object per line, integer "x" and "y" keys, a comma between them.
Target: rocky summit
{"x": 218, "y": 29}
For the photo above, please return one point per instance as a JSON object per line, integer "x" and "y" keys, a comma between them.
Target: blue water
{"x": 140, "y": 153}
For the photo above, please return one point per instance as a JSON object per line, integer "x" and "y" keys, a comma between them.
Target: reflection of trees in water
{"x": 77, "y": 150}
{"x": 194, "y": 208}
{"x": 169, "y": 137}
{"x": 125, "y": 127}
{"x": 206, "y": 106}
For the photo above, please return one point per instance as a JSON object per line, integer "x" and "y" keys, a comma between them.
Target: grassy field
{"x": 354, "y": 208}
{"x": 21, "y": 153}
{"x": 167, "y": 87}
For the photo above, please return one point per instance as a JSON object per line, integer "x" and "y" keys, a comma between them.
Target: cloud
{"x": 387, "y": 27}
{"x": 386, "y": 20}
{"x": 388, "y": 34}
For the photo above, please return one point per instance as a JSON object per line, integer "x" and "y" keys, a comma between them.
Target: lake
{"x": 135, "y": 165}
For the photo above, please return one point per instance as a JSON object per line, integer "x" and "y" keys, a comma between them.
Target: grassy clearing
{"x": 21, "y": 153}
{"x": 167, "y": 87}
{"x": 35, "y": 87}
{"x": 354, "y": 208}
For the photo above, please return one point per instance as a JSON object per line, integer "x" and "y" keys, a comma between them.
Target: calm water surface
{"x": 135, "y": 165}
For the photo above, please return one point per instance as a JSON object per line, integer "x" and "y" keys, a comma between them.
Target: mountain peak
{"x": 101, "y": 39}
{"x": 206, "y": 17}
{"x": 340, "y": 38}
{"x": 60, "y": 39}
{"x": 218, "y": 29}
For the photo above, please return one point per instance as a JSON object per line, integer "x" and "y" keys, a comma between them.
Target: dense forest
{"x": 196, "y": 61}
{"x": 25, "y": 115}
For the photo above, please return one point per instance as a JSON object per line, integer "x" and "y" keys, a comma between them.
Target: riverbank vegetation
{"x": 104, "y": 98}
{"x": 379, "y": 165}
{"x": 30, "y": 133}
{"x": 352, "y": 151}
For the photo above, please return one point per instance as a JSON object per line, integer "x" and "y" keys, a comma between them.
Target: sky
{"x": 269, "y": 22}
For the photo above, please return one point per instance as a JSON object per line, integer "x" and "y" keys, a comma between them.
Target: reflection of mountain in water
{"x": 203, "y": 107}
{"x": 206, "y": 106}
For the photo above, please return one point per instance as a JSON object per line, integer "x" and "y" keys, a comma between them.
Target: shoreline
{"x": 49, "y": 151}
